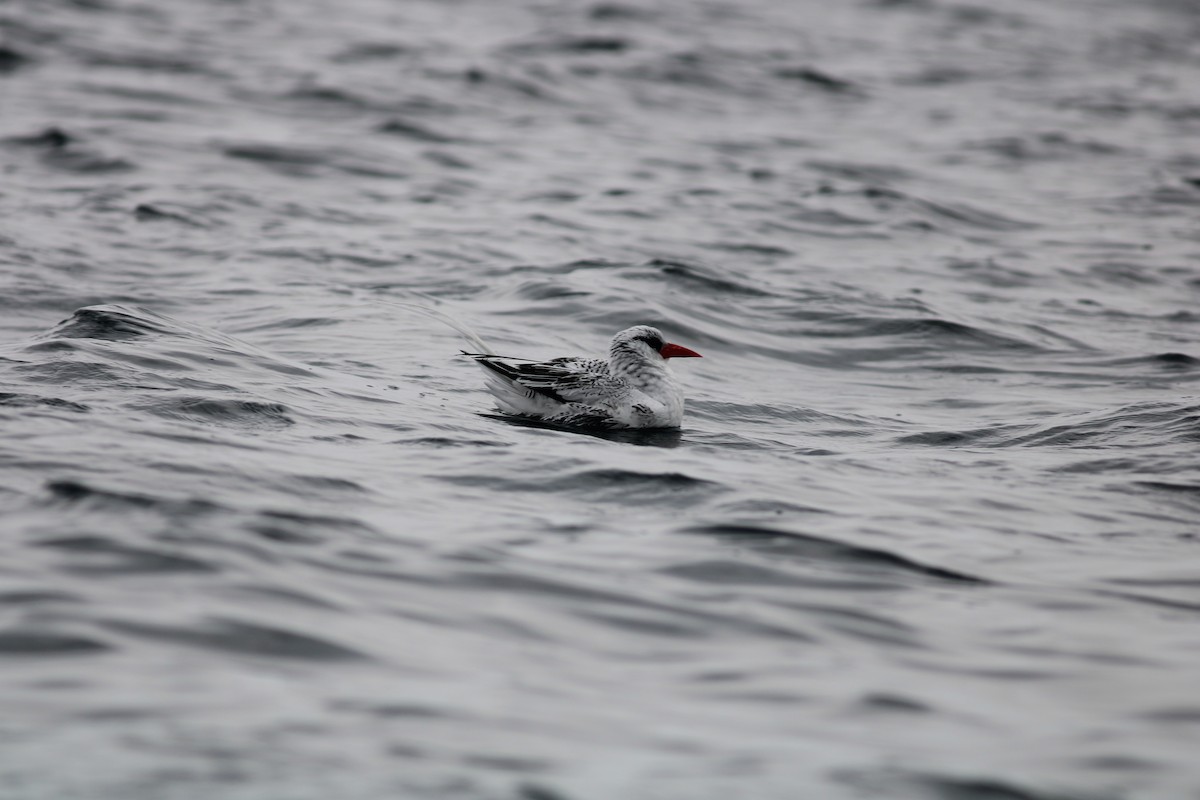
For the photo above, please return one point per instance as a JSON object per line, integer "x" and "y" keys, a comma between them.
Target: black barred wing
{"x": 567, "y": 380}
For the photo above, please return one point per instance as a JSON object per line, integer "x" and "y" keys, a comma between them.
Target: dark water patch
{"x": 974, "y": 217}
{"x": 960, "y": 438}
{"x": 66, "y": 373}
{"x": 116, "y": 715}
{"x": 617, "y": 485}
{"x": 41, "y": 643}
{"x": 1112, "y": 102}
{"x": 986, "y": 673}
{"x": 1159, "y": 602}
{"x": 786, "y": 544}
{"x": 110, "y": 323}
{"x": 167, "y": 212}
{"x": 100, "y": 555}
{"x": 295, "y": 527}
{"x": 553, "y": 196}
{"x": 938, "y": 75}
{"x": 290, "y": 323}
{"x": 372, "y": 51}
{"x": 22, "y": 597}
{"x": 507, "y": 763}
{"x": 242, "y": 413}
{"x": 1174, "y": 362}
{"x": 759, "y": 506}
{"x": 1188, "y": 489}
{"x": 19, "y": 400}
{"x": 1083, "y": 435}
{"x": 828, "y": 217}
{"x": 1122, "y": 273}
{"x": 52, "y": 138}
{"x": 63, "y": 151}
{"x": 12, "y": 60}
{"x": 447, "y": 160}
{"x": 703, "y": 278}
{"x": 943, "y": 333}
{"x": 893, "y": 704}
{"x": 580, "y": 596}
{"x": 572, "y": 45}
{"x": 1117, "y": 762}
{"x": 393, "y": 710}
{"x": 870, "y": 627}
{"x": 418, "y": 132}
{"x": 145, "y": 61}
{"x": 838, "y": 424}
{"x": 314, "y": 93}
{"x": 1181, "y": 715}
{"x": 621, "y": 12}
{"x": 1162, "y": 583}
{"x": 994, "y": 273}
{"x": 629, "y": 479}
{"x": 1144, "y": 423}
{"x": 329, "y": 484}
{"x": 285, "y": 533}
{"x": 510, "y": 581}
{"x": 532, "y": 85}
{"x": 768, "y": 251}
{"x": 280, "y": 594}
{"x": 819, "y": 79}
{"x": 277, "y": 154}
{"x": 306, "y": 162}
{"x": 147, "y": 95}
{"x": 728, "y": 572}
{"x": 1050, "y": 146}
{"x": 540, "y": 290}
{"x": 325, "y": 257}
{"x": 881, "y": 174}
{"x": 693, "y": 70}
{"x": 77, "y": 493}
{"x": 201, "y": 347}
{"x": 893, "y": 203}
{"x": 569, "y": 267}
{"x": 538, "y": 791}
{"x": 224, "y": 635}
{"x": 953, "y": 788}
{"x": 440, "y": 442}
{"x": 649, "y": 625}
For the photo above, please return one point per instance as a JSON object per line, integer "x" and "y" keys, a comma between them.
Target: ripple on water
{"x": 38, "y": 643}
{"x": 779, "y": 544}
{"x": 240, "y": 637}
{"x": 909, "y": 231}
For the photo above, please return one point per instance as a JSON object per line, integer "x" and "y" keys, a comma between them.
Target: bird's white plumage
{"x": 632, "y": 388}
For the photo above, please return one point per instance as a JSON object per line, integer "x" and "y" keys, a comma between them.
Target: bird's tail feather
{"x": 444, "y": 318}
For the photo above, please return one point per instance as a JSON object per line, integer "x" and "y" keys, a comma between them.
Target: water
{"x": 929, "y": 530}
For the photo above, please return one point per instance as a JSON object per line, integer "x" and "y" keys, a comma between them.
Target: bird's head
{"x": 649, "y": 341}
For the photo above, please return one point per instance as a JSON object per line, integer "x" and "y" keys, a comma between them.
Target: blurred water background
{"x": 929, "y": 530}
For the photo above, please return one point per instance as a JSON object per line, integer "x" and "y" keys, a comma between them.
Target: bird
{"x": 632, "y": 388}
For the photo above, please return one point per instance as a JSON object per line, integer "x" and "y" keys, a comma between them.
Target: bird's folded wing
{"x": 562, "y": 380}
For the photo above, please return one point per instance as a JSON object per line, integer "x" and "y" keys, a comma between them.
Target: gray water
{"x": 929, "y": 529}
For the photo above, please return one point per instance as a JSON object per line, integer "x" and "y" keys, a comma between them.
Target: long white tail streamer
{"x": 463, "y": 330}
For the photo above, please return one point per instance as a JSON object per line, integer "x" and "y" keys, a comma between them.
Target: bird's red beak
{"x": 677, "y": 351}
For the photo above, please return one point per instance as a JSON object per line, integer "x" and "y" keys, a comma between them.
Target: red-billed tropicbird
{"x": 632, "y": 388}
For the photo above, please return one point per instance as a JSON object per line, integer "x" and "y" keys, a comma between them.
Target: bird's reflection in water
{"x": 641, "y": 437}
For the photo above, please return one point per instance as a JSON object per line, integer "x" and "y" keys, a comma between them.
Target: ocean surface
{"x": 931, "y": 528}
